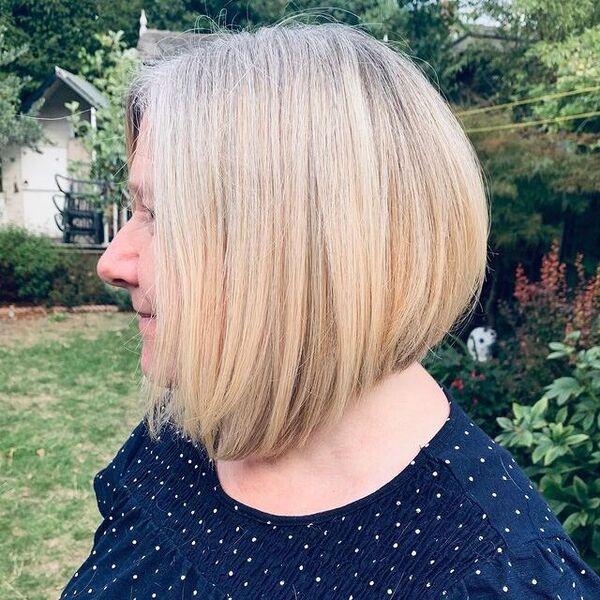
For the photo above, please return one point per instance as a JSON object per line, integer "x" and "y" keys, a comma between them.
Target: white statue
{"x": 143, "y": 23}
{"x": 480, "y": 343}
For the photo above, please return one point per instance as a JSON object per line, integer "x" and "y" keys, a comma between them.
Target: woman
{"x": 310, "y": 220}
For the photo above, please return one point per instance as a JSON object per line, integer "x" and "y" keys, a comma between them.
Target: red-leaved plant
{"x": 544, "y": 311}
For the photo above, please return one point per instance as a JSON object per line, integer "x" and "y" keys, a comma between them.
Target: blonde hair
{"x": 321, "y": 222}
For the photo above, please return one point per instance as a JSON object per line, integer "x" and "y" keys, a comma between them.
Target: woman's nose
{"x": 118, "y": 265}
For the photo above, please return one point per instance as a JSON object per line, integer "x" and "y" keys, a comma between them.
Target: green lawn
{"x": 68, "y": 400}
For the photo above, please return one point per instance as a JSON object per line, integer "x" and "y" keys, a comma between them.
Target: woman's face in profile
{"x": 128, "y": 261}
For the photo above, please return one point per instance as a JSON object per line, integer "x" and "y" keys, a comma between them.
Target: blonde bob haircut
{"x": 320, "y": 223}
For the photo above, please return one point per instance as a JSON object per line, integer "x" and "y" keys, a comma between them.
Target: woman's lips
{"x": 144, "y": 321}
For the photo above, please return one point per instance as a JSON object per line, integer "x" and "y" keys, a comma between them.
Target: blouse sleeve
{"x": 106, "y": 481}
{"x": 541, "y": 568}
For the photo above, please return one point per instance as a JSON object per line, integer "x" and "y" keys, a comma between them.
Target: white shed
{"x": 28, "y": 184}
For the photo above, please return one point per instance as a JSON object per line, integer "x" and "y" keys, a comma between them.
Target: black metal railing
{"x": 81, "y": 218}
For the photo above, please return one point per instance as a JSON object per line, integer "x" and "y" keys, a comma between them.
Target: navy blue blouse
{"x": 462, "y": 521}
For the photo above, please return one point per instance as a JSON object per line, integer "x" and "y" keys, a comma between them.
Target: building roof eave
{"x": 90, "y": 93}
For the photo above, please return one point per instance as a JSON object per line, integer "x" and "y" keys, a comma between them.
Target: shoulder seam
{"x": 468, "y": 494}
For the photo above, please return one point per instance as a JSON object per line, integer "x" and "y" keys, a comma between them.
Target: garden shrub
{"x": 118, "y": 296}
{"x": 557, "y": 442}
{"x": 544, "y": 311}
{"x": 539, "y": 313}
{"x": 28, "y": 263}
{"x": 33, "y": 269}
{"x": 76, "y": 282}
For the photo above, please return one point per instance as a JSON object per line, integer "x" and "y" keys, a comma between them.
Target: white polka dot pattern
{"x": 461, "y": 521}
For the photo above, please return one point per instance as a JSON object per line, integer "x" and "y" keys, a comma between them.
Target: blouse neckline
{"x": 421, "y": 461}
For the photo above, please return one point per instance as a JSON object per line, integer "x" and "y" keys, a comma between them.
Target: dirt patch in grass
{"x": 41, "y": 403}
{"x": 23, "y": 333}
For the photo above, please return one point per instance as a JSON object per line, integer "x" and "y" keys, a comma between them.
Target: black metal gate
{"x": 81, "y": 218}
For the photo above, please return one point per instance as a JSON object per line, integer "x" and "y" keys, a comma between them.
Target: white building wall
{"x": 12, "y": 187}
{"x": 39, "y": 187}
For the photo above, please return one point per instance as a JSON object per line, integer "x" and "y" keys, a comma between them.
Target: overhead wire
{"x": 484, "y": 109}
{"x": 64, "y": 117}
{"x": 595, "y": 113}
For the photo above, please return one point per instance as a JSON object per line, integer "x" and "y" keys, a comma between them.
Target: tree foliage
{"x": 535, "y": 20}
{"x": 542, "y": 176}
{"x": 14, "y": 129}
{"x": 575, "y": 65}
{"x": 54, "y": 31}
{"x": 109, "y": 68}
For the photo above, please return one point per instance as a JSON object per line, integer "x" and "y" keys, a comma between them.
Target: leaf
{"x": 538, "y": 453}
{"x": 596, "y": 541}
{"x": 563, "y": 388}
{"x": 556, "y": 346}
{"x": 588, "y": 421}
{"x": 572, "y": 522}
{"x": 581, "y": 490}
{"x": 553, "y": 454}
{"x": 558, "y": 507}
{"x": 557, "y": 493}
{"x": 504, "y": 439}
{"x": 507, "y": 424}
{"x": 577, "y": 438}
{"x": 539, "y": 408}
{"x": 518, "y": 410}
{"x": 561, "y": 415}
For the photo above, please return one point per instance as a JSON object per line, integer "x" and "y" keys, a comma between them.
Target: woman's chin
{"x": 146, "y": 364}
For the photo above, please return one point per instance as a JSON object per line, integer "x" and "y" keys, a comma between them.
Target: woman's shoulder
{"x": 532, "y": 550}
{"x": 490, "y": 477}
{"x": 544, "y": 567}
{"x": 139, "y": 543}
{"x": 108, "y": 479}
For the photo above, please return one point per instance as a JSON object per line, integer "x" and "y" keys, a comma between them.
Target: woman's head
{"x": 320, "y": 222}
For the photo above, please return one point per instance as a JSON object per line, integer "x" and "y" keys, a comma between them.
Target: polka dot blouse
{"x": 462, "y": 521}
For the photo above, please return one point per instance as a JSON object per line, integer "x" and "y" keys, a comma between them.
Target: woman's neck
{"x": 375, "y": 440}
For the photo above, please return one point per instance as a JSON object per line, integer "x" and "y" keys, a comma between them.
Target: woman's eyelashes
{"x": 140, "y": 209}
{"x": 145, "y": 213}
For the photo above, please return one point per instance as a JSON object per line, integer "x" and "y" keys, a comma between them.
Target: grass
{"x": 68, "y": 401}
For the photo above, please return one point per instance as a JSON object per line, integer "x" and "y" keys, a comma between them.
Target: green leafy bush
{"x": 34, "y": 269}
{"x": 118, "y": 296}
{"x": 28, "y": 263}
{"x": 109, "y": 68}
{"x": 76, "y": 282}
{"x": 557, "y": 441}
